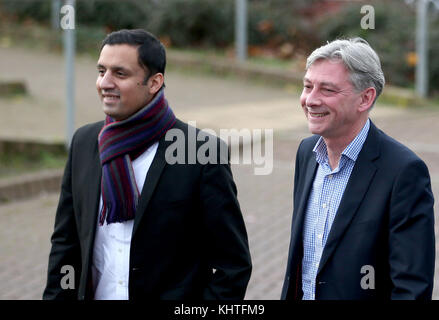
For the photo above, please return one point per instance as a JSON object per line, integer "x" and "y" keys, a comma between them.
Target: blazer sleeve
{"x": 411, "y": 234}
{"x": 228, "y": 254}
{"x": 65, "y": 249}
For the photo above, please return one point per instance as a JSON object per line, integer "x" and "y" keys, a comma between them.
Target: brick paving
{"x": 266, "y": 201}
{"x": 24, "y": 246}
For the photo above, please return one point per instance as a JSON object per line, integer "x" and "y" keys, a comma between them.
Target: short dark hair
{"x": 151, "y": 52}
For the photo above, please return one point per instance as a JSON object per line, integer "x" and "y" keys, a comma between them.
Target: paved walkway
{"x": 25, "y": 226}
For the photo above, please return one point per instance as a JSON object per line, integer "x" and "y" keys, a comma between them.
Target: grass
{"x": 14, "y": 164}
{"x": 39, "y": 37}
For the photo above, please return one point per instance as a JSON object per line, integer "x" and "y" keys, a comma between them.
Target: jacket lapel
{"x": 302, "y": 186}
{"x": 95, "y": 188}
{"x": 310, "y": 170}
{"x": 359, "y": 181}
{"x": 152, "y": 178}
{"x": 90, "y": 218}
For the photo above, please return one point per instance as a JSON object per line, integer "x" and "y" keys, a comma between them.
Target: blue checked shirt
{"x": 326, "y": 193}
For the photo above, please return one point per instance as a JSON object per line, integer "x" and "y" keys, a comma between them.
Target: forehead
{"x": 121, "y": 55}
{"x": 328, "y": 71}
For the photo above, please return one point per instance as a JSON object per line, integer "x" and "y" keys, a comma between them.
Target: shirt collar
{"x": 351, "y": 151}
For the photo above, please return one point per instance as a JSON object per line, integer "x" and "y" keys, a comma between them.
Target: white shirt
{"x": 111, "y": 253}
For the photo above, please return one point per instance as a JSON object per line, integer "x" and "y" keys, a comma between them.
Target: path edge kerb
{"x": 30, "y": 185}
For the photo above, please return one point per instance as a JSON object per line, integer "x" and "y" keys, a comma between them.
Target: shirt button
{"x": 120, "y": 282}
{"x": 324, "y": 205}
{"x": 120, "y": 250}
{"x": 317, "y": 265}
{"x": 319, "y": 236}
{"x": 330, "y": 176}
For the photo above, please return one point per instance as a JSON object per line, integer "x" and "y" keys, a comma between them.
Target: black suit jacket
{"x": 188, "y": 224}
{"x": 385, "y": 220}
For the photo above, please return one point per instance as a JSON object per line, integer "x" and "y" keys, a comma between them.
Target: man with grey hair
{"x": 363, "y": 221}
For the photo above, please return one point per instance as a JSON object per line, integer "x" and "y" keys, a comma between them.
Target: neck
{"x": 336, "y": 145}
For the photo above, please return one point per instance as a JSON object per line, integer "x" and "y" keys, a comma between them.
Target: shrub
{"x": 184, "y": 22}
{"x": 194, "y": 22}
{"x": 108, "y": 13}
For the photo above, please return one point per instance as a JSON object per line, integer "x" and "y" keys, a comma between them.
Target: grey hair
{"x": 359, "y": 58}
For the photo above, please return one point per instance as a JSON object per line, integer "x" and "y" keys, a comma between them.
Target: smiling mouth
{"x": 318, "y": 115}
{"x": 110, "y": 97}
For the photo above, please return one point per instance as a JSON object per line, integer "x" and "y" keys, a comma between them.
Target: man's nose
{"x": 313, "y": 98}
{"x": 106, "y": 81}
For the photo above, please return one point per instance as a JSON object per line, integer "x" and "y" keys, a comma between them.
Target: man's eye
{"x": 327, "y": 91}
{"x": 101, "y": 72}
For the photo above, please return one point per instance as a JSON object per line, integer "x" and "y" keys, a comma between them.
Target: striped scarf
{"x": 120, "y": 142}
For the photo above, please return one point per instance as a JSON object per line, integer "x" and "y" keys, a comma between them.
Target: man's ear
{"x": 367, "y": 97}
{"x": 155, "y": 82}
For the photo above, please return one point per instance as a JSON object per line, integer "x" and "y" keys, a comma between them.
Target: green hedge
{"x": 183, "y": 22}
{"x": 193, "y": 23}
{"x": 111, "y": 14}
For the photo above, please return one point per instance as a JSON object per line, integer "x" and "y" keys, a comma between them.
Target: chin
{"x": 314, "y": 129}
{"x": 110, "y": 114}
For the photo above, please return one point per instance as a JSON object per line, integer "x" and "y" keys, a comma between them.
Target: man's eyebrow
{"x": 324, "y": 83}
{"x": 113, "y": 68}
{"x": 328, "y": 84}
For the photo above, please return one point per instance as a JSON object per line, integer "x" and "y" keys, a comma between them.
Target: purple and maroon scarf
{"x": 120, "y": 142}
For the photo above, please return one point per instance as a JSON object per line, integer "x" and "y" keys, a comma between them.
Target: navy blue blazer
{"x": 385, "y": 221}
